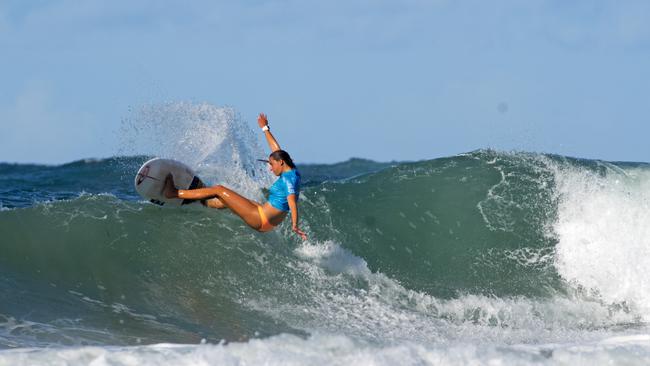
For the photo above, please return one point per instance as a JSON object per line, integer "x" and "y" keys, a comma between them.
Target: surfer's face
{"x": 276, "y": 166}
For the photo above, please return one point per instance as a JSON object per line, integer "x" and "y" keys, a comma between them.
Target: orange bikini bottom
{"x": 266, "y": 225}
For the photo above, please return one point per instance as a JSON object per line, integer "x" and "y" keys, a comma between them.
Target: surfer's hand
{"x": 299, "y": 232}
{"x": 262, "y": 120}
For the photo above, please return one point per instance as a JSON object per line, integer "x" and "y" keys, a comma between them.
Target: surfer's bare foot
{"x": 169, "y": 190}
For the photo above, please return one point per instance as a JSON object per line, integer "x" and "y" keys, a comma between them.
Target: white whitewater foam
{"x": 323, "y": 349}
{"x": 339, "y": 294}
{"x": 603, "y": 229}
{"x": 333, "y": 257}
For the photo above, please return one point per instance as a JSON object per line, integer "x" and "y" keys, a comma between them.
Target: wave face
{"x": 481, "y": 248}
{"x": 474, "y": 223}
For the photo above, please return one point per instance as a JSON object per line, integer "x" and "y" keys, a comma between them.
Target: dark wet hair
{"x": 284, "y": 156}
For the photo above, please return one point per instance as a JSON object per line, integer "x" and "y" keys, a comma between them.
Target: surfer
{"x": 283, "y": 194}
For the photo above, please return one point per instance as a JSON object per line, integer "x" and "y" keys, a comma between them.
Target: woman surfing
{"x": 283, "y": 194}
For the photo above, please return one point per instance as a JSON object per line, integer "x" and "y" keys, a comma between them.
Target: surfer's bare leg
{"x": 240, "y": 205}
{"x": 170, "y": 191}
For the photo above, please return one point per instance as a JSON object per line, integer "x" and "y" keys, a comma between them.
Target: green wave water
{"x": 451, "y": 225}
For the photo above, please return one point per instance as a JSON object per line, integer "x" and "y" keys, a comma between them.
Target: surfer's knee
{"x": 214, "y": 203}
{"x": 220, "y": 190}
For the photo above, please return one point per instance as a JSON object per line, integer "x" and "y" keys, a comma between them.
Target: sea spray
{"x": 213, "y": 140}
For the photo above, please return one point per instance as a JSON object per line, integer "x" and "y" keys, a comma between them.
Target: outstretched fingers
{"x": 262, "y": 120}
{"x": 300, "y": 232}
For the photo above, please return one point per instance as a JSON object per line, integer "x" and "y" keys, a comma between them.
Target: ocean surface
{"x": 484, "y": 258}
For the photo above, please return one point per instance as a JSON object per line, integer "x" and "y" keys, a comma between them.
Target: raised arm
{"x": 264, "y": 124}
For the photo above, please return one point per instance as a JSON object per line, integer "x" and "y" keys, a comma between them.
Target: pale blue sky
{"x": 386, "y": 80}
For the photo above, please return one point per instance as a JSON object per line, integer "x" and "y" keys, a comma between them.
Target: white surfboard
{"x": 150, "y": 180}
